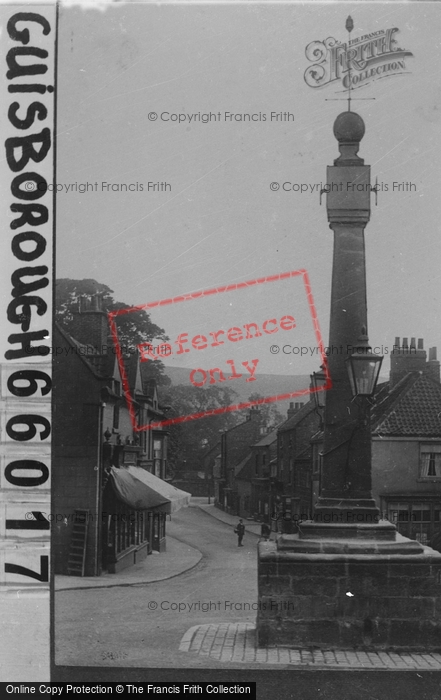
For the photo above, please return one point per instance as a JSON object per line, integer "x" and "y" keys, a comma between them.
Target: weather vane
{"x": 349, "y": 27}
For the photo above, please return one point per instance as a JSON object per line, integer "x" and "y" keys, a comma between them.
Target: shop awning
{"x": 140, "y": 490}
{"x": 177, "y": 498}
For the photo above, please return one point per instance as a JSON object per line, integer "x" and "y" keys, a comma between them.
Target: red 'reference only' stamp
{"x": 227, "y": 336}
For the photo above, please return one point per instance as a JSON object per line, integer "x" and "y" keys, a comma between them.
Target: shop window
{"x": 419, "y": 521}
{"x": 398, "y": 512}
{"x": 421, "y": 512}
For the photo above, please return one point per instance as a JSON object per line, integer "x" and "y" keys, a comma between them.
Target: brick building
{"x": 108, "y": 518}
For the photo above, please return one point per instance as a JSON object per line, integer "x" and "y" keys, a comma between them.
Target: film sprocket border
{"x": 192, "y": 296}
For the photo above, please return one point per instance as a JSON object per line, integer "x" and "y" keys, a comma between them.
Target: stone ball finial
{"x": 349, "y": 126}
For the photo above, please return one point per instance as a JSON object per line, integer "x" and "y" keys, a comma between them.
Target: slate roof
{"x": 411, "y": 408}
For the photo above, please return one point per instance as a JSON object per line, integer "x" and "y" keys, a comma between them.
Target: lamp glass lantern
{"x": 363, "y": 368}
{"x": 319, "y": 380}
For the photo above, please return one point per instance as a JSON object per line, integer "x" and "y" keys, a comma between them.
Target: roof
{"x": 411, "y": 408}
{"x": 245, "y": 468}
{"x": 306, "y": 453}
{"x": 294, "y": 420}
{"x": 101, "y": 365}
{"x": 247, "y": 421}
{"x": 267, "y": 439}
{"x": 214, "y": 448}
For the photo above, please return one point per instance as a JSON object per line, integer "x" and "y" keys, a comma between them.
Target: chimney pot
{"x": 291, "y": 405}
{"x": 420, "y": 344}
{"x": 405, "y": 343}
{"x": 397, "y": 341}
{"x": 412, "y": 343}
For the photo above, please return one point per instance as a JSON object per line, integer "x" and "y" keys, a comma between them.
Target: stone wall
{"x": 346, "y": 602}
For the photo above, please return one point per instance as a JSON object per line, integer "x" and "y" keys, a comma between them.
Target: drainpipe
{"x": 98, "y": 494}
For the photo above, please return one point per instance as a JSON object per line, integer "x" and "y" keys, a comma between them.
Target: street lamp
{"x": 363, "y": 367}
{"x": 319, "y": 381}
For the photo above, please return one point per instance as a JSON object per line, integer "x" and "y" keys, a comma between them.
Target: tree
{"x": 189, "y": 441}
{"x": 270, "y": 414}
{"x": 133, "y": 328}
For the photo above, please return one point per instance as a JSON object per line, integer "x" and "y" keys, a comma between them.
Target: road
{"x": 119, "y": 626}
{"x": 111, "y": 634}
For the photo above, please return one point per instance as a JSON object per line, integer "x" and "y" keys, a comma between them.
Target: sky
{"x": 216, "y": 221}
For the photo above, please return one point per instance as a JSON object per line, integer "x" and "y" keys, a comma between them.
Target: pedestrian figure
{"x": 240, "y": 531}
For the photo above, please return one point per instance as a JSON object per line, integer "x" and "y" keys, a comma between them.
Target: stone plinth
{"x": 348, "y": 594}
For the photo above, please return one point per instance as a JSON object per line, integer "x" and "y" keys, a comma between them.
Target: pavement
{"x": 235, "y": 643}
{"x": 178, "y": 558}
{"x": 250, "y": 525}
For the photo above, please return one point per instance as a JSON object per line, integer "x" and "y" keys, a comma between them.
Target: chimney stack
{"x": 254, "y": 413}
{"x": 406, "y": 359}
{"x": 294, "y": 408}
{"x": 89, "y": 324}
{"x": 433, "y": 366}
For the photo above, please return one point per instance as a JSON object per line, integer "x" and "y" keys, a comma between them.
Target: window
{"x": 157, "y": 449}
{"x": 116, "y": 416}
{"x": 421, "y": 512}
{"x": 256, "y": 465}
{"x": 398, "y": 512}
{"x": 419, "y": 521}
{"x": 430, "y": 461}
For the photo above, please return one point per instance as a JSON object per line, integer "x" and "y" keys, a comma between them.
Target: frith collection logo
{"x": 357, "y": 62}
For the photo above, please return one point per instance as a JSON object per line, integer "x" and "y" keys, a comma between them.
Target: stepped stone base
{"x": 354, "y": 593}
